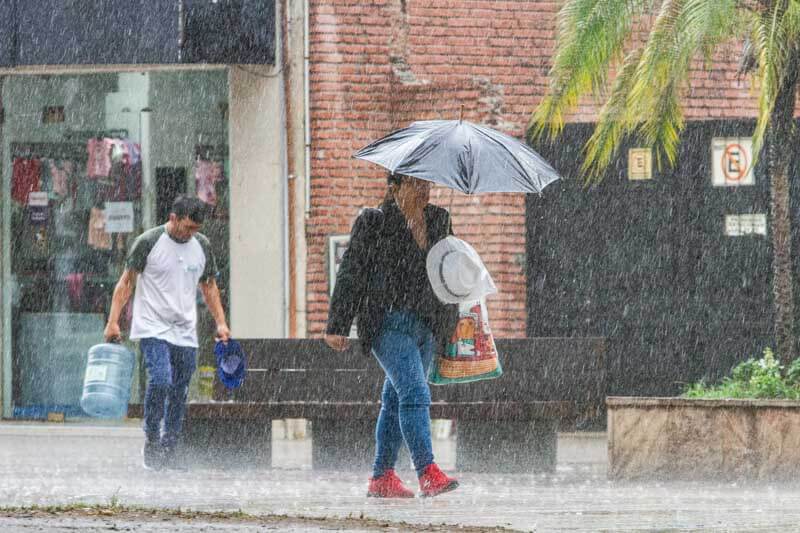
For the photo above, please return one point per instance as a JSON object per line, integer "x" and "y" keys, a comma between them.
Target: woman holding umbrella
{"x": 383, "y": 277}
{"x": 383, "y": 282}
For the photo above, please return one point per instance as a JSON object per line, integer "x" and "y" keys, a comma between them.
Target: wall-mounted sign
{"x": 119, "y": 217}
{"x": 38, "y": 204}
{"x": 640, "y": 164}
{"x": 750, "y": 224}
{"x": 732, "y": 161}
{"x": 38, "y": 199}
{"x": 337, "y": 244}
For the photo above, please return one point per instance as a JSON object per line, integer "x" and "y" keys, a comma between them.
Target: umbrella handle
{"x": 461, "y": 113}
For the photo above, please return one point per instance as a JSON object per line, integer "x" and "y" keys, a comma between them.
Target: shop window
{"x": 74, "y": 191}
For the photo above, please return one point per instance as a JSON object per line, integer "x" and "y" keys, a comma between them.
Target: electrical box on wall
{"x": 228, "y": 31}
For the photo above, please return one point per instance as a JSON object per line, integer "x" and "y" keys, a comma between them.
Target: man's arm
{"x": 122, "y": 293}
{"x": 210, "y": 292}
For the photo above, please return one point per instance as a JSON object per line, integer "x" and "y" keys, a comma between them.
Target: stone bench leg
{"x": 227, "y": 443}
{"x": 506, "y": 446}
{"x": 342, "y": 444}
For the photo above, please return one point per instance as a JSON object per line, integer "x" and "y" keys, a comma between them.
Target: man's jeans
{"x": 169, "y": 370}
{"x": 404, "y": 348}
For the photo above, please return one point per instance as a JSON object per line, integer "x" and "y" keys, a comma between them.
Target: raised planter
{"x": 693, "y": 439}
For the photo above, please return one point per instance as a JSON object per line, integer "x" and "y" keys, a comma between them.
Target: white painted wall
{"x": 123, "y": 106}
{"x": 186, "y": 112}
{"x": 258, "y": 204}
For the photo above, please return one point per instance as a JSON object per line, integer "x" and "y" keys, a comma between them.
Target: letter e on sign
{"x": 640, "y": 164}
{"x": 732, "y": 161}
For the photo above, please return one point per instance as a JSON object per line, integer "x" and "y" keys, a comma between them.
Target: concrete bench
{"x": 504, "y": 425}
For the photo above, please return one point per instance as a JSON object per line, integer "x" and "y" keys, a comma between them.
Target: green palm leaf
{"x": 591, "y": 35}
{"x": 645, "y": 97}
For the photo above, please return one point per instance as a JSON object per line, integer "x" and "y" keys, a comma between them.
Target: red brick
{"x": 462, "y": 52}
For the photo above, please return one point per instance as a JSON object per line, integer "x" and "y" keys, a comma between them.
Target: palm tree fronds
{"x": 615, "y": 121}
{"x": 646, "y": 97}
{"x": 771, "y": 33}
{"x": 591, "y": 36}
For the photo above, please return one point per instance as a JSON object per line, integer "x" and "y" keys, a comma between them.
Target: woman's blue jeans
{"x": 169, "y": 371}
{"x": 404, "y": 348}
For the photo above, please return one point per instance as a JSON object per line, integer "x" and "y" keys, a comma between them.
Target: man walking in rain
{"x": 164, "y": 266}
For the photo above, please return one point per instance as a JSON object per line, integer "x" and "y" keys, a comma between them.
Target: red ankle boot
{"x": 388, "y": 486}
{"x": 433, "y": 481}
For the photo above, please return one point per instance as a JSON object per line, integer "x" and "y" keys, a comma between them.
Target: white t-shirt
{"x": 165, "y": 299}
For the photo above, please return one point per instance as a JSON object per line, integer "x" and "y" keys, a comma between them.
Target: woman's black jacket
{"x": 379, "y": 266}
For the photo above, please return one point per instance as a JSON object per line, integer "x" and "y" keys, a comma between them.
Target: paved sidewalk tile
{"x": 68, "y": 465}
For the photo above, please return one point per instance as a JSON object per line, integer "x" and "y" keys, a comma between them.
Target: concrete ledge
{"x": 641, "y": 401}
{"x": 688, "y": 439}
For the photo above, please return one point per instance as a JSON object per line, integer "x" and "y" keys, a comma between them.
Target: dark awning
{"x": 8, "y": 24}
{"x": 98, "y": 32}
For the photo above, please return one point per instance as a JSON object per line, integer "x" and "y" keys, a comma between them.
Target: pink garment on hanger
{"x": 99, "y": 162}
{"x": 75, "y": 289}
{"x": 206, "y": 176}
{"x": 134, "y": 152}
{"x": 59, "y": 173}
{"x": 98, "y": 238}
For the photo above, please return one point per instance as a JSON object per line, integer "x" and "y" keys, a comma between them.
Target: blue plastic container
{"x": 107, "y": 383}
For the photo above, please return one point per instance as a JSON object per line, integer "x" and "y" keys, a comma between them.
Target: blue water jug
{"x": 107, "y": 383}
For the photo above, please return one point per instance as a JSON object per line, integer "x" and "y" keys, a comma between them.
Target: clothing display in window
{"x": 115, "y": 165}
{"x": 57, "y": 176}
{"x": 206, "y": 175}
{"x": 99, "y": 158}
{"x": 125, "y": 183}
{"x": 97, "y": 236}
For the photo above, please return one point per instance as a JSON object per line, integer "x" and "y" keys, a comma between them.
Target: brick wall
{"x": 379, "y": 64}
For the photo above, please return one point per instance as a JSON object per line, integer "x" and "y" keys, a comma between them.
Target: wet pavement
{"x": 47, "y": 464}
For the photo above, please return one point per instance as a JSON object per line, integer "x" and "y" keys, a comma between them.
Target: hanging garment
{"x": 59, "y": 172}
{"x": 134, "y": 152}
{"x": 75, "y": 286}
{"x": 86, "y": 193}
{"x": 119, "y": 150}
{"x": 125, "y": 184}
{"x": 206, "y": 175}
{"x": 99, "y": 162}
{"x": 25, "y": 178}
{"x": 97, "y": 236}
{"x": 45, "y": 177}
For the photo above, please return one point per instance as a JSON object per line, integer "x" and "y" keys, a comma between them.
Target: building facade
{"x": 109, "y": 110}
{"x": 260, "y": 104}
{"x": 646, "y": 263}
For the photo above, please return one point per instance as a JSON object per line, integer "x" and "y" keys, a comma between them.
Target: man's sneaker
{"x": 172, "y": 460}
{"x": 433, "y": 481}
{"x": 388, "y": 486}
{"x": 152, "y": 456}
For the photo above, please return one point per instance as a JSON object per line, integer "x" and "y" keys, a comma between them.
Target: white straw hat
{"x": 457, "y": 273}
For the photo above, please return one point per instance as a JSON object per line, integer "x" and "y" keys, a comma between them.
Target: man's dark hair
{"x": 188, "y": 206}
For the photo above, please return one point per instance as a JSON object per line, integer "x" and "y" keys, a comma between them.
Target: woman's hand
{"x": 337, "y": 342}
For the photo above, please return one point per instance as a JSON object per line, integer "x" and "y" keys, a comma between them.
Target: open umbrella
{"x": 461, "y": 155}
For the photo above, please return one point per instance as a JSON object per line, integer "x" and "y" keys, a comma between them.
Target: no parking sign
{"x": 732, "y": 161}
